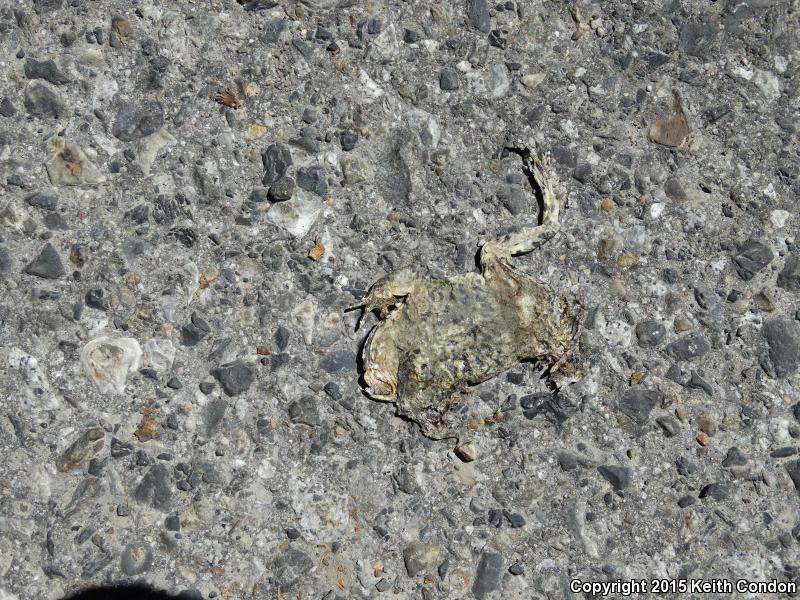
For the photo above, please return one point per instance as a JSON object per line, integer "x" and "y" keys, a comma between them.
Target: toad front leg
{"x": 380, "y": 353}
{"x": 386, "y": 293}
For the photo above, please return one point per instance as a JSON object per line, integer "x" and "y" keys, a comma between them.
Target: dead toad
{"x": 438, "y": 336}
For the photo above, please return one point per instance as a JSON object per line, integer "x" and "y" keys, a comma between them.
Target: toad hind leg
{"x": 538, "y": 167}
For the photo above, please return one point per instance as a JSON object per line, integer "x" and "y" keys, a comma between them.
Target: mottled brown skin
{"x": 448, "y": 334}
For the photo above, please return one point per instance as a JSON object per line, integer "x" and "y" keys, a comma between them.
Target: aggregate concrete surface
{"x": 194, "y": 191}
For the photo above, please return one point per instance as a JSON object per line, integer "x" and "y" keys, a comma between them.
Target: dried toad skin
{"x": 451, "y": 333}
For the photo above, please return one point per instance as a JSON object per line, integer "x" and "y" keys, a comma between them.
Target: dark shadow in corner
{"x": 129, "y": 592}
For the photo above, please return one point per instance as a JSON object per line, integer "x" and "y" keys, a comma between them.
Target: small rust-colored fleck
{"x": 263, "y": 350}
{"x": 225, "y": 211}
{"x": 636, "y": 377}
{"x": 607, "y": 205}
{"x": 317, "y": 250}
{"x": 148, "y": 426}
{"x": 227, "y": 98}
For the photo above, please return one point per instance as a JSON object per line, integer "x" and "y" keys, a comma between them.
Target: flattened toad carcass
{"x": 439, "y": 336}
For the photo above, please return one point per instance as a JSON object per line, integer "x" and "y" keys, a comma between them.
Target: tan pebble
{"x": 11, "y": 284}
{"x": 618, "y": 289}
{"x": 467, "y": 452}
{"x": 604, "y": 248}
{"x": 707, "y": 425}
{"x": 255, "y": 132}
{"x": 626, "y": 259}
{"x": 607, "y": 205}
{"x": 703, "y": 439}
{"x": 681, "y": 325}
{"x": 682, "y": 414}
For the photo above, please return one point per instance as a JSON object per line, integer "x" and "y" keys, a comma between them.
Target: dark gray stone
{"x": 339, "y": 360}
{"x": 42, "y": 101}
{"x": 637, "y": 403}
{"x": 793, "y": 469}
{"x": 783, "y": 340}
{"x": 789, "y": 277}
{"x": 290, "y": 565}
{"x": 734, "y": 458}
{"x": 697, "y": 38}
{"x": 348, "y": 139}
{"x": 514, "y": 199}
{"x": 193, "y": 333}
{"x": 277, "y": 158}
{"x": 282, "y": 336}
{"x": 45, "y": 200}
{"x": 448, "y": 80}
{"x": 155, "y": 488}
{"x": 688, "y": 347}
{"x": 698, "y": 383}
{"x": 752, "y": 256}
{"x": 669, "y": 425}
{"x": 47, "y": 265}
{"x": 136, "y": 558}
{"x": 47, "y": 6}
{"x": 313, "y": 179}
{"x": 478, "y": 15}
{"x": 281, "y": 190}
{"x": 7, "y": 108}
{"x": 45, "y": 69}
{"x": 304, "y": 411}
{"x": 650, "y": 333}
{"x": 135, "y": 121}
{"x": 618, "y": 477}
{"x": 715, "y": 491}
{"x": 214, "y": 413}
{"x": 488, "y": 575}
{"x": 6, "y": 262}
{"x": 235, "y": 377}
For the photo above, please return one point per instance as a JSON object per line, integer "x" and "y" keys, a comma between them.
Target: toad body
{"x": 439, "y": 336}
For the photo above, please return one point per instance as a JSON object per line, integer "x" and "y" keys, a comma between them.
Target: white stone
{"x": 159, "y": 353}
{"x": 296, "y": 216}
{"x": 778, "y": 218}
{"x": 769, "y": 84}
{"x": 108, "y": 361}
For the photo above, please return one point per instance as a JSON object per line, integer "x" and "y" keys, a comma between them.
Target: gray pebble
{"x": 305, "y": 411}
{"x": 45, "y": 200}
{"x": 448, "y": 80}
{"x": 669, "y": 425}
{"x": 650, "y": 333}
{"x": 45, "y": 69}
{"x": 783, "y": 340}
{"x": 42, "y": 101}
{"x": 135, "y": 121}
{"x": 478, "y": 15}
{"x": 155, "y": 488}
{"x": 637, "y": 403}
{"x": 235, "y": 377}
{"x": 793, "y": 469}
{"x": 277, "y": 158}
{"x": 47, "y": 265}
{"x": 688, "y": 347}
{"x": 789, "y": 277}
{"x": 618, "y": 477}
{"x": 337, "y": 361}
{"x": 6, "y": 262}
{"x": 313, "y": 179}
{"x": 752, "y": 256}
{"x": 488, "y": 574}
{"x": 7, "y": 108}
{"x": 281, "y": 190}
